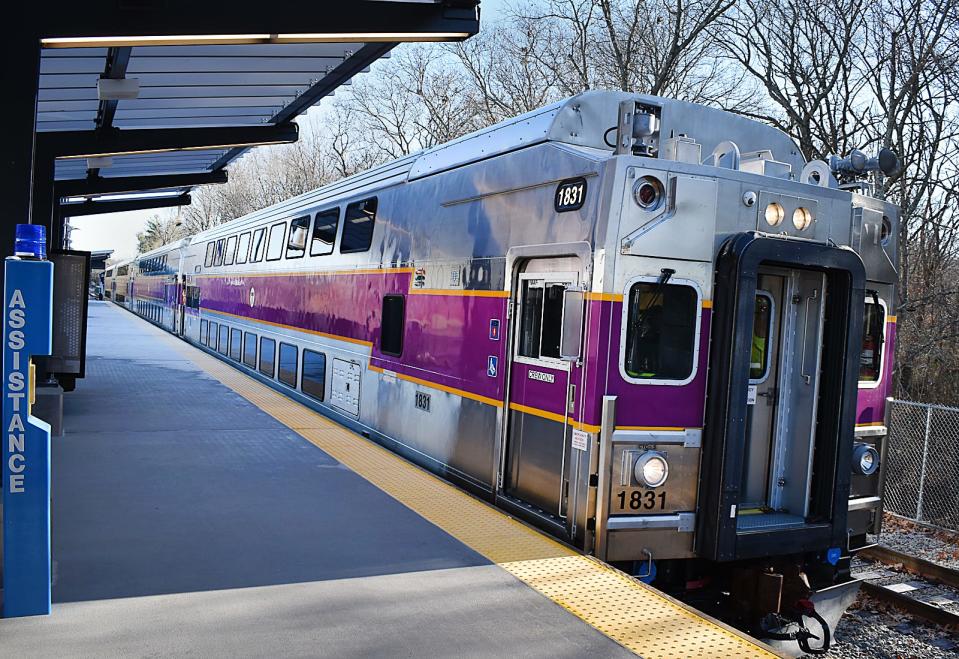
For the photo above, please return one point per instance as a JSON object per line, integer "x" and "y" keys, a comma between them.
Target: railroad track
{"x": 914, "y": 597}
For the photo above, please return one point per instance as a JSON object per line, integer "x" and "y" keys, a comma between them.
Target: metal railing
{"x": 922, "y": 463}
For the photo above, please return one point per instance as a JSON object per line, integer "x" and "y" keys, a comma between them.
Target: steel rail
{"x": 927, "y": 569}
{"x": 928, "y": 612}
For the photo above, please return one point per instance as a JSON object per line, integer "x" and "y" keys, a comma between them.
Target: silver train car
{"x": 648, "y": 327}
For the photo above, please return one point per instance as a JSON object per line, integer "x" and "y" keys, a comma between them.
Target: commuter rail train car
{"x": 116, "y": 282}
{"x": 158, "y": 292}
{"x": 649, "y": 327}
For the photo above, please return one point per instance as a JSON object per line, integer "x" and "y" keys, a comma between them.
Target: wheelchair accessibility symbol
{"x": 491, "y": 365}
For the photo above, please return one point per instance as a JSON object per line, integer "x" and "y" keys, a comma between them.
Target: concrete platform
{"x": 188, "y": 521}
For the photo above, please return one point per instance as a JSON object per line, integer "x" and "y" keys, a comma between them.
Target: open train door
{"x": 780, "y": 416}
{"x": 547, "y": 323}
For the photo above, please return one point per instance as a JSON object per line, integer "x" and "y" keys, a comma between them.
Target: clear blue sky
{"x": 118, "y": 231}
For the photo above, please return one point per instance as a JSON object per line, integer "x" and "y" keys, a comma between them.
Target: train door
{"x": 784, "y": 373}
{"x": 540, "y": 392}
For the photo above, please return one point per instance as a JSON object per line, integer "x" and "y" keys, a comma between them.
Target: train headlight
{"x": 651, "y": 469}
{"x": 775, "y": 214}
{"x": 865, "y": 459}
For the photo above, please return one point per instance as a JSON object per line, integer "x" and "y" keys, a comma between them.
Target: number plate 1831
{"x": 632, "y": 500}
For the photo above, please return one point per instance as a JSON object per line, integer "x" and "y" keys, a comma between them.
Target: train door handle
{"x": 807, "y": 377}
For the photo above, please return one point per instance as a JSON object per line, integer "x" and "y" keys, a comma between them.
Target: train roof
{"x": 582, "y": 121}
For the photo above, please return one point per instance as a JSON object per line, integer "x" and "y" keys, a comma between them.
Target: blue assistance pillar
{"x": 27, "y": 331}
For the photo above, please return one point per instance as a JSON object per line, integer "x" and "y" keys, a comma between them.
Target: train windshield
{"x": 660, "y": 331}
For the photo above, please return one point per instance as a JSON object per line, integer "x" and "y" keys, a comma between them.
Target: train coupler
{"x": 799, "y": 633}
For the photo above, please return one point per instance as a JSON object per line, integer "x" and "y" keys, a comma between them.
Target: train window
{"x": 230, "y": 251}
{"x": 218, "y": 252}
{"x": 259, "y": 245}
{"x": 211, "y": 337}
{"x": 274, "y": 248}
{"x": 531, "y": 319}
{"x": 267, "y": 356}
{"x": 287, "y": 370}
{"x": 249, "y": 349}
{"x": 299, "y": 230}
{"x": 243, "y": 248}
{"x": 314, "y": 374}
{"x": 660, "y": 331}
{"x": 873, "y": 329}
{"x": 236, "y": 340}
{"x": 204, "y": 332}
{"x": 193, "y": 297}
{"x": 324, "y": 232}
{"x": 552, "y": 321}
{"x": 223, "y": 341}
{"x": 391, "y": 329}
{"x": 358, "y": 226}
{"x": 762, "y": 332}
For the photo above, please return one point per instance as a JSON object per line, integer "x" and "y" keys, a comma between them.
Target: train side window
{"x": 243, "y": 248}
{"x": 236, "y": 338}
{"x": 249, "y": 349}
{"x": 314, "y": 374}
{"x": 391, "y": 329}
{"x": 218, "y": 252}
{"x": 299, "y": 230}
{"x": 230, "y": 251}
{"x": 223, "y": 341}
{"x": 274, "y": 248}
{"x": 267, "y": 356}
{"x": 873, "y": 336}
{"x": 204, "y": 332}
{"x": 259, "y": 245}
{"x": 358, "y": 226}
{"x": 531, "y": 319}
{"x": 211, "y": 337}
{"x": 288, "y": 359}
{"x": 660, "y": 331}
{"x": 324, "y": 232}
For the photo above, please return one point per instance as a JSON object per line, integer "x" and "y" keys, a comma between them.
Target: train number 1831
{"x": 641, "y": 500}
{"x": 570, "y": 195}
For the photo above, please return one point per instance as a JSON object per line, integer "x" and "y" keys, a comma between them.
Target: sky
{"x": 118, "y": 231}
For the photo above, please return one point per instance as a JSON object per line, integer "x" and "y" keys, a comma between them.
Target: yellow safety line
{"x": 631, "y": 613}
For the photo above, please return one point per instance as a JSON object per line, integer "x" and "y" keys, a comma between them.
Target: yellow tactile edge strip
{"x": 636, "y": 616}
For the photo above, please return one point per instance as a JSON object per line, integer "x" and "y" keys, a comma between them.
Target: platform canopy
{"x": 161, "y": 95}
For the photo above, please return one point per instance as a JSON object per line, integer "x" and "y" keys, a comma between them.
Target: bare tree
{"x": 159, "y": 231}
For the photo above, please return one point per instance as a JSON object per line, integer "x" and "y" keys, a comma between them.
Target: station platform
{"x": 197, "y": 511}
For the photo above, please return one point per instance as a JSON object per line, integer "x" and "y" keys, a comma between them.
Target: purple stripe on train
{"x": 446, "y": 339}
{"x": 871, "y": 407}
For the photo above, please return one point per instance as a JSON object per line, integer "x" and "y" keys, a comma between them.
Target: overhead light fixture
{"x": 99, "y": 162}
{"x": 110, "y": 89}
{"x": 211, "y": 39}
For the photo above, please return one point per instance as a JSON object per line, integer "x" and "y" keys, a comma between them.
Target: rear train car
{"x": 646, "y": 326}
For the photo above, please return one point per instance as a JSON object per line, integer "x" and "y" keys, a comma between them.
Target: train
{"x": 648, "y": 327}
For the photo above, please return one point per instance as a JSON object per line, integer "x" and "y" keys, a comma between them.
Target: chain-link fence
{"x": 922, "y": 463}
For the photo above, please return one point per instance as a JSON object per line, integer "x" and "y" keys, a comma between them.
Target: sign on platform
{"x": 28, "y": 294}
